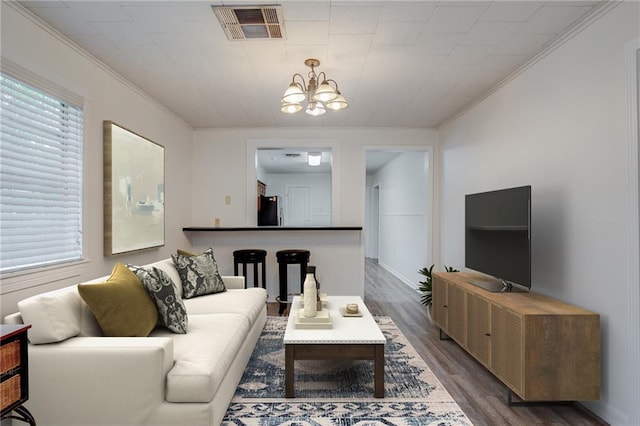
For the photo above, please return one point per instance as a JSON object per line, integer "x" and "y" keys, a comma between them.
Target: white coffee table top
{"x": 352, "y": 330}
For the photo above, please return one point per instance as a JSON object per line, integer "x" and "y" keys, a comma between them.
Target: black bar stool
{"x": 290, "y": 257}
{"x": 250, "y": 256}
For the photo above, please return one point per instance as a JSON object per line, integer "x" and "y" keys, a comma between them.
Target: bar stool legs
{"x": 285, "y": 258}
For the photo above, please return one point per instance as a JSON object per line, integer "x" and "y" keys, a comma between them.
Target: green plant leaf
{"x": 426, "y": 286}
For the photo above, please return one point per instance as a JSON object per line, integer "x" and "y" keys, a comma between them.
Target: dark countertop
{"x": 270, "y": 228}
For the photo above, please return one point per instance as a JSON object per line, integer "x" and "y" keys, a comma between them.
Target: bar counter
{"x": 336, "y": 252}
{"x": 270, "y": 228}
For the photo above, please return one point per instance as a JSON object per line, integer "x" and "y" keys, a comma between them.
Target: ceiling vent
{"x": 251, "y": 22}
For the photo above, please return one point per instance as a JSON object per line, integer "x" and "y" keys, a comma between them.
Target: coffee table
{"x": 350, "y": 338}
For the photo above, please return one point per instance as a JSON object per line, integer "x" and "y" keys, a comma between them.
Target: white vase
{"x": 310, "y": 297}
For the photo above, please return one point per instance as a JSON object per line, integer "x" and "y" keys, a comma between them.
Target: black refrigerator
{"x": 268, "y": 211}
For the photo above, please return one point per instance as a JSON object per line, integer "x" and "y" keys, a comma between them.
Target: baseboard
{"x": 590, "y": 413}
{"x": 399, "y": 276}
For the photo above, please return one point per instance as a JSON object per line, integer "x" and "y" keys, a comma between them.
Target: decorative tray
{"x": 322, "y": 320}
{"x": 344, "y": 313}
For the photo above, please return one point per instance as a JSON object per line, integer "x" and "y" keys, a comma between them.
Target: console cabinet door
{"x": 479, "y": 328}
{"x": 449, "y": 310}
{"x": 456, "y": 314}
{"x": 439, "y": 303}
{"x": 507, "y": 347}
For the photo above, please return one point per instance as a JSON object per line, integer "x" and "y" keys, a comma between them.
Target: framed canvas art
{"x": 133, "y": 191}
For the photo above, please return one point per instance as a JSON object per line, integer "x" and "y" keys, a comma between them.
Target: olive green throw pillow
{"x": 121, "y": 305}
{"x": 185, "y": 253}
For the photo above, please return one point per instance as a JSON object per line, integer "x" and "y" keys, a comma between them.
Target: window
{"x": 41, "y": 136}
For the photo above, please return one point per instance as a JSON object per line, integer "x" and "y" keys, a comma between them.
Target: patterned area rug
{"x": 332, "y": 393}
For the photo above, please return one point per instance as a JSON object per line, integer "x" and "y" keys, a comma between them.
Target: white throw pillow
{"x": 54, "y": 316}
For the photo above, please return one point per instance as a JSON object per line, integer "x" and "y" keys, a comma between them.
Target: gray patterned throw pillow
{"x": 172, "y": 313}
{"x": 199, "y": 274}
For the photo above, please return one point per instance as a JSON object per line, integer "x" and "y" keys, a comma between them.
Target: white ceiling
{"x": 399, "y": 64}
{"x": 292, "y": 160}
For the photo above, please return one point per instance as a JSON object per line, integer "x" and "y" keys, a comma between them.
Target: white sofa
{"x": 163, "y": 379}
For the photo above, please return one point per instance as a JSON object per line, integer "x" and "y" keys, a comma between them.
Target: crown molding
{"x": 561, "y": 40}
{"x": 97, "y": 62}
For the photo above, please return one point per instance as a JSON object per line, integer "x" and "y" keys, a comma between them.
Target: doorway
{"x": 374, "y": 230}
{"x": 398, "y": 210}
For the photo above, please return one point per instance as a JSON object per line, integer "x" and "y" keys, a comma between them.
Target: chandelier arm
{"x": 335, "y": 83}
{"x": 324, "y": 79}
{"x": 303, "y": 85}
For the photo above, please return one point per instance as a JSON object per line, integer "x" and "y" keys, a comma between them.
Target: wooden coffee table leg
{"x": 289, "y": 374}
{"x": 329, "y": 352}
{"x": 379, "y": 371}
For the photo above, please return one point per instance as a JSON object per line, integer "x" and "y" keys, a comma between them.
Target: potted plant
{"x": 426, "y": 286}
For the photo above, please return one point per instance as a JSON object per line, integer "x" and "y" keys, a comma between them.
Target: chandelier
{"x": 319, "y": 96}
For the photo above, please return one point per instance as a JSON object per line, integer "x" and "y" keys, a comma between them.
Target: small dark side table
{"x": 14, "y": 373}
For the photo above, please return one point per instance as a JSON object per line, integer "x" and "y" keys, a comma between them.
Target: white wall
{"x": 32, "y": 46}
{"x": 403, "y": 234}
{"x": 219, "y": 169}
{"x": 561, "y": 127}
{"x": 319, "y": 191}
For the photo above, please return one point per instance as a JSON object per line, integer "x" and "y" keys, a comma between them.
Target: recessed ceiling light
{"x": 314, "y": 158}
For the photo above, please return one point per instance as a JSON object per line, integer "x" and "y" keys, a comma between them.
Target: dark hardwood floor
{"x": 481, "y": 396}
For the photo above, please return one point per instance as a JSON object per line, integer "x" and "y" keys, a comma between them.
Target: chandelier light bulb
{"x": 294, "y": 94}
{"x": 337, "y": 104}
{"x": 290, "y": 108}
{"x": 325, "y": 93}
{"x": 315, "y": 109}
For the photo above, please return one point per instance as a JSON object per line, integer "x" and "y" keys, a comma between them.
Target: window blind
{"x": 41, "y": 137}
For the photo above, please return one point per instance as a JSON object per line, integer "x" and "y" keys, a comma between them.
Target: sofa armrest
{"x": 232, "y": 281}
{"x": 14, "y": 318}
{"x": 83, "y": 379}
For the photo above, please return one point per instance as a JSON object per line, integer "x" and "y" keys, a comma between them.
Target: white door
{"x": 298, "y": 206}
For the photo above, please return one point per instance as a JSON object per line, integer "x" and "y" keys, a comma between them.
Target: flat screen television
{"x": 498, "y": 238}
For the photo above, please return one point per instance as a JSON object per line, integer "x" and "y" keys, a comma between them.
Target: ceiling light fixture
{"x": 319, "y": 96}
{"x": 313, "y": 158}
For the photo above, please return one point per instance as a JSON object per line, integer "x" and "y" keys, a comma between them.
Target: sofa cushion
{"x": 54, "y": 316}
{"x": 199, "y": 274}
{"x": 203, "y": 356}
{"x": 171, "y": 311}
{"x": 121, "y": 305}
{"x": 248, "y": 303}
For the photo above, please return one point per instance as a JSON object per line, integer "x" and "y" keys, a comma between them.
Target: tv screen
{"x": 498, "y": 237}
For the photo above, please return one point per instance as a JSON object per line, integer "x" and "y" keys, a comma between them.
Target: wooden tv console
{"x": 540, "y": 348}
